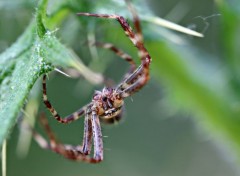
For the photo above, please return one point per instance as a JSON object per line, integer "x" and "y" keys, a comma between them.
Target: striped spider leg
{"x": 106, "y": 105}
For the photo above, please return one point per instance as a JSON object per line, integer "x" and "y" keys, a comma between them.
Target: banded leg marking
{"x": 119, "y": 53}
{"x": 66, "y": 150}
{"x": 97, "y": 138}
{"x": 128, "y": 31}
{"x": 137, "y": 85}
{"x": 72, "y": 117}
{"x": 136, "y": 20}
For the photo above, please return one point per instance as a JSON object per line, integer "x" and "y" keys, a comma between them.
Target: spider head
{"x": 103, "y": 96}
{"x": 108, "y": 104}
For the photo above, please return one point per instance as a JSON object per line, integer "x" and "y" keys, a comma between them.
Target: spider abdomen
{"x": 112, "y": 116}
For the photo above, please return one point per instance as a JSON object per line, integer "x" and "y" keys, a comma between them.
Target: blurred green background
{"x": 185, "y": 120}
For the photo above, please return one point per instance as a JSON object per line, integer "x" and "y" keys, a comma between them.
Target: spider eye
{"x": 104, "y": 99}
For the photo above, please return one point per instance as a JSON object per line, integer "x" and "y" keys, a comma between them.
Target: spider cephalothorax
{"x": 106, "y": 105}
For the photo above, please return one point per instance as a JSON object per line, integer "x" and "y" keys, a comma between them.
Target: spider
{"x": 106, "y": 105}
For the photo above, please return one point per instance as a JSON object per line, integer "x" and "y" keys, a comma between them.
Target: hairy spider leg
{"x": 138, "y": 36}
{"x": 50, "y": 134}
{"x": 138, "y": 78}
{"x": 119, "y": 53}
{"x": 97, "y": 137}
{"x": 87, "y": 136}
{"x": 136, "y": 20}
{"x": 54, "y": 144}
{"x": 72, "y": 117}
{"x": 70, "y": 151}
{"x": 128, "y": 31}
{"x": 91, "y": 128}
{"x": 137, "y": 85}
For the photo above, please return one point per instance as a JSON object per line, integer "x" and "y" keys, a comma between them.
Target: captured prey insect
{"x": 106, "y": 105}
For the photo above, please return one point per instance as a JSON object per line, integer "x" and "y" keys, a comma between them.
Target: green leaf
{"x": 209, "y": 100}
{"x": 36, "y": 52}
{"x": 22, "y": 74}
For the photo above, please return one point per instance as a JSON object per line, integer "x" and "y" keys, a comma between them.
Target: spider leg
{"x": 54, "y": 144}
{"x": 136, "y": 39}
{"x": 42, "y": 142}
{"x": 72, "y": 117}
{"x": 97, "y": 141}
{"x": 69, "y": 151}
{"x": 130, "y": 79}
{"x": 87, "y": 136}
{"x": 119, "y": 53}
{"x": 137, "y": 85}
{"x": 66, "y": 150}
{"x": 97, "y": 138}
{"x": 136, "y": 20}
{"x": 122, "y": 55}
{"x": 50, "y": 134}
{"x": 143, "y": 53}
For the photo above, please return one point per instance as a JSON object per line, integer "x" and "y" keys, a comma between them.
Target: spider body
{"x": 106, "y": 105}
